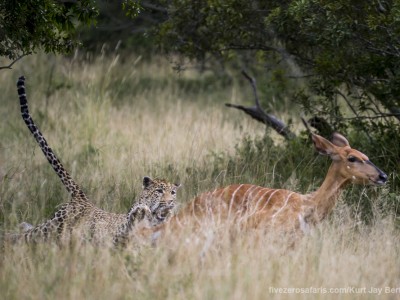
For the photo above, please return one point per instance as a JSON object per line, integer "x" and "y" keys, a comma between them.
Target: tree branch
{"x": 281, "y": 51}
{"x": 397, "y": 115}
{"x": 347, "y": 102}
{"x": 257, "y": 113}
{"x": 154, "y": 7}
{"x": 12, "y": 63}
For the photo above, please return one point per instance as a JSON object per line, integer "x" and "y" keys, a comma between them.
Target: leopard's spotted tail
{"x": 66, "y": 179}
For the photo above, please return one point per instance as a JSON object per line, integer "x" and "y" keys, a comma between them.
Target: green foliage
{"x": 131, "y": 7}
{"x": 345, "y": 52}
{"x": 351, "y": 49}
{"x": 348, "y": 48}
{"x": 196, "y": 28}
{"x": 124, "y": 25}
{"x": 280, "y": 163}
{"x": 30, "y": 25}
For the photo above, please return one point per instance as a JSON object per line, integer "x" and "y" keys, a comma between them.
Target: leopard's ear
{"x": 177, "y": 185}
{"x": 147, "y": 181}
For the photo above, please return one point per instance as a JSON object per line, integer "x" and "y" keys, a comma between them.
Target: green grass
{"x": 113, "y": 120}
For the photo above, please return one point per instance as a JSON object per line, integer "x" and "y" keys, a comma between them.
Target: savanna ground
{"x": 112, "y": 121}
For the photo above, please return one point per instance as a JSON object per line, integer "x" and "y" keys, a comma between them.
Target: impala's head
{"x": 353, "y": 165}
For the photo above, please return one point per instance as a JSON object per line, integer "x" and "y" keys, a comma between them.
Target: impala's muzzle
{"x": 381, "y": 178}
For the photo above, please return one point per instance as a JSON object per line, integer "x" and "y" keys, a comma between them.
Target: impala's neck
{"x": 328, "y": 193}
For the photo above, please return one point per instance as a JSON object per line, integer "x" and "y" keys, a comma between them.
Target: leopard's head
{"x": 160, "y": 196}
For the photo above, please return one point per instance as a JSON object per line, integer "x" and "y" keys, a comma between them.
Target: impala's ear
{"x": 339, "y": 140}
{"x": 323, "y": 146}
{"x": 147, "y": 181}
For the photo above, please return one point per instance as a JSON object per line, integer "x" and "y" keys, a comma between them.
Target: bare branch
{"x": 281, "y": 51}
{"x": 300, "y": 76}
{"x": 150, "y": 6}
{"x": 395, "y": 112}
{"x": 12, "y": 63}
{"x": 397, "y": 115}
{"x": 257, "y": 113}
{"x": 347, "y": 102}
{"x": 254, "y": 86}
{"x": 306, "y": 125}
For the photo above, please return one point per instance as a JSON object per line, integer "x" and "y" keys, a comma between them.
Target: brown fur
{"x": 284, "y": 210}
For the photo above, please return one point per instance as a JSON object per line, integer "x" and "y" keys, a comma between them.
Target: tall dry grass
{"x": 112, "y": 121}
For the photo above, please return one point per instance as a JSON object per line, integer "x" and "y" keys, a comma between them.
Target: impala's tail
{"x": 66, "y": 179}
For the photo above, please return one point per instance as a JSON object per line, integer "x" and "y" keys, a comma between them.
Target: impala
{"x": 281, "y": 209}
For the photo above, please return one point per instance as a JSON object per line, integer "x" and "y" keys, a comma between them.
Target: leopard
{"x": 79, "y": 216}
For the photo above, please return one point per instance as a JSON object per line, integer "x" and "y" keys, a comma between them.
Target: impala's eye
{"x": 352, "y": 159}
{"x": 161, "y": 191}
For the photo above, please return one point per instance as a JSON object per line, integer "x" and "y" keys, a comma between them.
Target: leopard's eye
{"x": 160, "y": 191}
{"x": 173, "y": 192}
{"x": 352, "y": 159}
